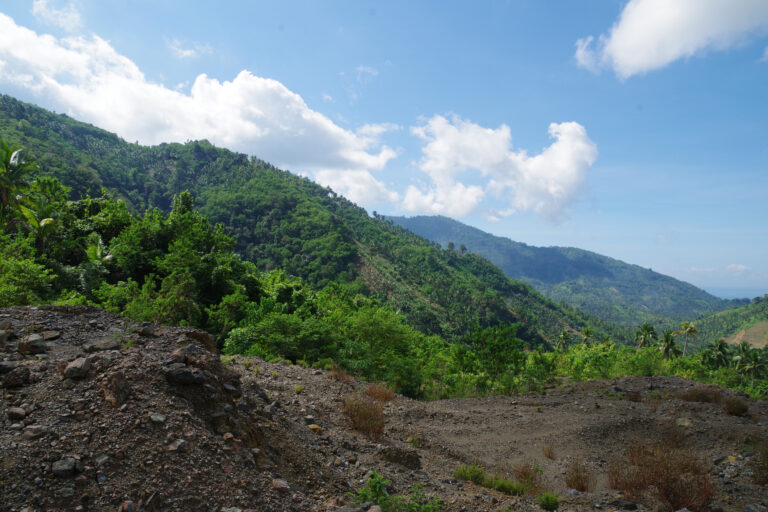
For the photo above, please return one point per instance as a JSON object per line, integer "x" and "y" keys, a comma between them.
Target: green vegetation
{"x": 477, "y": 475}
{"x": 615, "y": 291}
{"x": 548, "y": 501}
{"x": 375, "y": 491}
{"x": 731, "y": 321}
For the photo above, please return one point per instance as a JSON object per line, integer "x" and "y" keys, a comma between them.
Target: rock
{"x": 16, "y": 413}
{"x": 101, "y": 344}
{"x": 315, "y": 428}
{"x": 116, "y": 388}
{"x": 7, "y": 366}
{"x": 66, "y": 467}
{"x": 180, "y": 373}
{"x": 16, "y": 378}
{"x": 574, "y": 492}
{"x": 5, "y": 325}
{"x": 78, "y": 369}
{"x": 3, "y": 336}
{"x": 309, "y": 420}
{"x": 33, "y": 344}
{"x": 33, "y": 432}
{"x": 157, "y": 417}
{"x": 280, "y": 485}
{"x": 718, "y": 460}
{"x": 405, "y": 457}
{"x": 623, "y": 504}
{"x": 50, "y": 335}
{"x": 683, "y": 422}
{"x": 101, "y": 460}
{"x": 177, "y": 445}
{"x": 147, "y": 330}
{"x": 67, "y": 492}
{"x": 208, "y": 341}
{"x": 127, "y": 506}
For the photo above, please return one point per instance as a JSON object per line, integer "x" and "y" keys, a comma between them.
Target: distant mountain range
{"x": 613, "y": 290}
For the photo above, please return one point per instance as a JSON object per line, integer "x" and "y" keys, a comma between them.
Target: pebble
{"x": 16, "y": 413}
{"x": 156, "y": 417}
{"x": 280, "y": 485}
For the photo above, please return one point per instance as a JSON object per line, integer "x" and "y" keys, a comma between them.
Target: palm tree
{"x": 687, "y": 329}
{"x": 562, "y": 340}
{"x": 720, "y": 353}
{"x": 667, "y": 345}
{"x": 14, "y": 171}
{"x": 645, "y": 335}
{"x": 751, "y": 363}
{"x": 587, "y": 335}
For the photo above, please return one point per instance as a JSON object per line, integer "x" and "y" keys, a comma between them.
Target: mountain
{"x": 744, "y": 323}
{"x": 615, "y": 291}
{"x": 285, "y": 221}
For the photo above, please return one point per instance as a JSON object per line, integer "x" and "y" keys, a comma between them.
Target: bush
{"x": 340, "y": 374}
{"x": 528, "y": 474}
{"x": 470, "y": 472}
{"x": 579, "y": 476}
{"x": 735, "y": 406}
{"x": 679, "y": 480}
{"x": 367, "y": 415}
{"x": 375, "y": 491}
{"x": 476, "y": 475}
{"x": 379, "y": 391}
{"x": 548, "y": 501}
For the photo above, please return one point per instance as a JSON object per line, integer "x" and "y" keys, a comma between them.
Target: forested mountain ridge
{"x": 618, "y": 292}
{"x": 284, "y": 221}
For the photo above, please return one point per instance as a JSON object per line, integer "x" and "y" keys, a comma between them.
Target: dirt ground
{"x": 155, "y": 421}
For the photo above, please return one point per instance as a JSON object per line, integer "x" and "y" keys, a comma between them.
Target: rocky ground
{"x": 98, "y": 413}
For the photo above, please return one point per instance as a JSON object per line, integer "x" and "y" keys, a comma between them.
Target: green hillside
{"x": 727, "y": 324}
{"x": 282, "y": 221}
{"x": 615, "y": 291}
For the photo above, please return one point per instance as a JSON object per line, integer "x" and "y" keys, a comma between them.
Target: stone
{"x": 5, "y": 325}
{"x": 180, "y": 373}
{"x": 50, "y": 335}
{"x": 78, "y": 369}
{"x": 33, "y": 432}
{"x": 127, "y": 506}
{"x": 177, "y": 445}
{"x": 309, "y": 419}
{"x": 206, "y": 339}
{"x": 33, "y": 344}
{"x": 403, "y": 456}
{"x": 116, "y": 388}
{"x": 280, "y": 485}
{"x": 16, "y": 378}
{"x": 101, "y": 344}
{"x": 66, "y": 467}
{"x": 315, "y": 428}
{"x": 147, "y": 330}
{"x": 67, "y": 492}
{"x": 623, "y": 504}
{"x": 7, "y": 366}
{"x": 16, "y": 413}
{"x": 3, "y": 336}
{"x": 156, "y": 417}
{"x": 101, "y": 460}
{"x": 683, "y": 422}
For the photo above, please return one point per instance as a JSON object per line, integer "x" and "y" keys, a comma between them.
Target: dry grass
{"x": 735, "y": 406}
{"x": 379, "y": 391}
{"x": 340, "y": 374}
{"x": 528, "y": 474}
{"x": 549, "y": 451}
{"x": 367, "y": 415}
{"x": 706, "y": 395}
{"x": 678, "y": 479}
{"x": 580, "y": 477}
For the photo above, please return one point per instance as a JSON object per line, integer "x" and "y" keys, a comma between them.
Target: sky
{"x": 637, "y": 129}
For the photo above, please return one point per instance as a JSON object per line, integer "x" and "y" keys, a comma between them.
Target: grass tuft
{"x": 367, "y": 415}
{"x": 580, "y": 477}
{"x": 340, "y": 374}
{"x": 379, "y": 391}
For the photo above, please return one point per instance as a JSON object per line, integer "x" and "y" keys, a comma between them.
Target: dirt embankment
{"x": 101, "y": 414}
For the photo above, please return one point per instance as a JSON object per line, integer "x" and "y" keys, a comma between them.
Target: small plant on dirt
{"x": 548, "y": 501}
{"x": 379, "y": 391}
{"x": 367, "y": 415}
{"x": 504, "y": 485}
{"x": 735, "y": 406}
{"x": 549, "y": 451}
{"x": 579, "y": 476}
{"x": 413, "y": 441}
{"x": 705, "y": 395}
{"x": 298, "y": 388}
{"x": 302, "y": 363}
{"x": 471, "y": 473}
{"x": 340, "y": 374}
{"x": 528, "y": 474}
{"x": 275, "y": 375}
{"x": 248, "y": 363}
{"x": 227, "y": 360}
{"x": 256, "y": 370}
{"x": 375, "y": 491}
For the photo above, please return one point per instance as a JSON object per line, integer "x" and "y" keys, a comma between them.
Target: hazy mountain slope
{"x": 744, "y": 323}
{"x": 611, "y": 289}
{"x": 284, "y": 221}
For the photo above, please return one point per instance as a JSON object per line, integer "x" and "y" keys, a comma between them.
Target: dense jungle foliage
{"x": 615, "y": 291}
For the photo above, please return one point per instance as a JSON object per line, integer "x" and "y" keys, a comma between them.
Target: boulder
{"x": 33, "y": 344}
{"x": 101, "y": 344}
{"x": 78, "y": 369}
{"x": 16, "y": 378}
{"x": 404, "y": 456}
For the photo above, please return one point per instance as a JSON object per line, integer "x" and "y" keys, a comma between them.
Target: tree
{"x": 15, "y": 169}
{"x": 687, "y": 329}
{"x": 667, "y": 345}
{"x": 587, "y": 336}
{"x": 718, "y": 354}
{"x": 562, "y": 340}
{"x": 645, "y": 335}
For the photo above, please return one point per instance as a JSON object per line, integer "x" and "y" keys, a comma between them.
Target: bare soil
{"x": 158, "y": 421}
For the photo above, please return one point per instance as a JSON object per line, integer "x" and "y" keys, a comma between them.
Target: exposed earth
{"x": 99, "y": 413}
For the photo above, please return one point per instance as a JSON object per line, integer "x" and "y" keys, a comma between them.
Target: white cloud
{"x": 365, "y": 74}
{"x": 194, "y": 50}
{"x": 357, "y": 186}
{"x": 737, "y": 268}
{"x": 651, "y": 34}
{"x": 545, "y": 184}
{"x": 87, "y": 78}
{"x": 67, "y": 17}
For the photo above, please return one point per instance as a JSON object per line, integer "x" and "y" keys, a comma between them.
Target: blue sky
{"x": 636, "y": 129}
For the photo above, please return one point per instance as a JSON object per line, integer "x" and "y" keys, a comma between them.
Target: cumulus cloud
{"x": 546, "y": 184}
{"x": 68, "y": 17}
{"x": 191, "y": 51}
{"x": 651, "y": 34}
{"x": 358, "y": 186}
{"x": 87, "y": 78}
{"x": 737, "y": 268}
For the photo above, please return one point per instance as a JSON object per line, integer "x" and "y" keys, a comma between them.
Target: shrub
{"x": 298, "y": 388}
{"x": 679, "y": 479}
{"x": 470, "y": 472}
{"x": 367, "y": 415}
{"x": 375, "y": 491}
{"x": 707, "y": 395}
{"x": 528, "y": 474}
{"x": 379, "y": 391}
{"x": 340, "y": 374}
{"x": 548, "y": 501}
{"x": 735, "y": 406}
{"x": 579, "y": 476}
{"x": 504, "y": 485}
